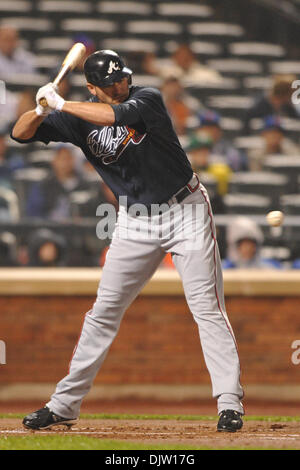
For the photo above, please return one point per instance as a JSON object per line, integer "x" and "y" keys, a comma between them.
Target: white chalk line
{"x": 135, "y": 434}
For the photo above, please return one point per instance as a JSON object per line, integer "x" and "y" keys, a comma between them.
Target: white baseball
{"x": 275, "y": 218}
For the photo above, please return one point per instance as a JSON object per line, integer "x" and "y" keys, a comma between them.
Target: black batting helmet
{"x": 103, "y": 68}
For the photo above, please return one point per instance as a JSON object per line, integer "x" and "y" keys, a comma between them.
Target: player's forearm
{"x": 27, "y": 124}
{"x": 100, "y": 114}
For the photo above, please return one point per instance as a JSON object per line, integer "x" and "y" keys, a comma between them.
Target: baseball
{"x": 275, "y": 218}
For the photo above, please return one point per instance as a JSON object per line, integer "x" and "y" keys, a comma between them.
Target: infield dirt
{"x": 255, "y": 434}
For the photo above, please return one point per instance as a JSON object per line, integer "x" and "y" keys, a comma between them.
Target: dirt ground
{"x": 255, "y": 434}
{"x": 263, "y": 434}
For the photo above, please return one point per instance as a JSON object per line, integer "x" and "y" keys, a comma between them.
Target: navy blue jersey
{"x": 139, "y": 156}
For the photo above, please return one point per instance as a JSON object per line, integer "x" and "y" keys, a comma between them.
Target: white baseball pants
{"x": 131, "y": 260}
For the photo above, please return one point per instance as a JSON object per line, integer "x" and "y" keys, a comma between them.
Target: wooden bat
{"x": 74, "y": 56}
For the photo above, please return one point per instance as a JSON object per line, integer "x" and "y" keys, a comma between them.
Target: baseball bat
{"x": 75, "y": 54}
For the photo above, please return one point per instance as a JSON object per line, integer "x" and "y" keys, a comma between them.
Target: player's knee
{"x": 110, "y": 310}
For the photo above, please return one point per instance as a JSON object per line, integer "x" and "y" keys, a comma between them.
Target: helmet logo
{"x": 113, "y": 66}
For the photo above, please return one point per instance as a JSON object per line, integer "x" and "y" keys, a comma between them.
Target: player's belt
{"x": 188, "y": 189}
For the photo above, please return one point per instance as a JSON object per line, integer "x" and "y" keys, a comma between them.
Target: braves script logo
{"x": 109, "y": 143}
{"x": 113, "y": 66}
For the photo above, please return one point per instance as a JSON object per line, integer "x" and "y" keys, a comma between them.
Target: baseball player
{"x": 127, "y": 135}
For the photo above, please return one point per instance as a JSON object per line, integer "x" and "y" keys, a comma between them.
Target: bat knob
{"x": 43, "y": 102}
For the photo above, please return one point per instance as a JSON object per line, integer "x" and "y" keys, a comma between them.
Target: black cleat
{"x": 230, "y": 421}
{"x": 45, "y": 419}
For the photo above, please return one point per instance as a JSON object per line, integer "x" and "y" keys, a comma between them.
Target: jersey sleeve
{"x": 57, "y": 127}
{"x": 146, "y": 107}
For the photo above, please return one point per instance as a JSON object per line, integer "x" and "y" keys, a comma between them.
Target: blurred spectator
{"x": 15, "y": 105}
{"x": 179, "y": 103}
{"x": 274, "y": 142}
{"x": 199, "y": 151}
{"x": 8, "y": 253}
{"x": 51, "y": 198}
{"x": 244, "y": 241}
{"x": 143, "y": 63}
{"x": 276, "y": 102}
{"x": 5, "y": 171}
{"x": 47, "y": 249}
{"x": 102, "y": 193}
{"x": 210, "y": 124}
{"x": 13, "y": 58}
{"x": 184, "y": 65}
{"x": 10, "y": 160}
{"x": 296, "y": 264}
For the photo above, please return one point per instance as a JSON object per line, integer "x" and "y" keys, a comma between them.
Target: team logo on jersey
{"x": 109, "y": 143}
{"x": 113, "y": 66}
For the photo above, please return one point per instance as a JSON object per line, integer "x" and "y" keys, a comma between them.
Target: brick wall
{"x": 157, "y": 343}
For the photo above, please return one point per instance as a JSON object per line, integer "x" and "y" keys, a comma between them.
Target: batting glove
{"x": 43, "y": 110}
{"x": 52, "y": 97}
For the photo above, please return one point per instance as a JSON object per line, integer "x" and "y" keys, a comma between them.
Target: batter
{"x": 127, "y": 135}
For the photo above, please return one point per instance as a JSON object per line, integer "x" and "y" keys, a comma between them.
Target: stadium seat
{"x": 77, "y": 80}
{"x": 129, "y": 45}
{"x": 225, "y": 86}
{"x": 261, "y": 183}
{"x": 257, "y": 83}
{"x": 46, "y": 63}
{"x": 53, "y": 44}
{"x": 229, "y": 105}
{"x": 224, "y": 32}
{"x": 66, "y": 7}
{"x": 291, "y": 127}
{"x": 256, "y": 50}
{"x": 285, "y": 165}
{"x": 80, "y": 201}
{"x": 236, "y": 67}
{"x": 15, "y": 7}
{"x": 279, "y": 253}
{"x": 147, "y": 80}
{"x": 30, "y": 24}
{"x": 284, "y": 67}
{"x": 184, "y": 10}
{"x": 17, "y": 82}
{"x": 125, "y": 8}
{"x": 246, "y": 204}
{"x": 88, "y": 25}
{"x": 23, "y": 180}
{"x": 248, "y": 142}
{"x": 207, "y": 49}
{"x": 202, "y": 49}
{"x": 290, "y": 204}
{"x": 154, "y": 28}
{"x": 231, "y": 126}
{"x": 40, "y": 158}
{"x": 9, "y": 205}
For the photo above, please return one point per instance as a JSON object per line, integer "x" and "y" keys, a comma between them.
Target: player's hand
{"x": 43, "y": 110}
{"x": 54, "y": 100}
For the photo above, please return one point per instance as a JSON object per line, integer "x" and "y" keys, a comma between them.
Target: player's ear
{"x": 91, "y": 88}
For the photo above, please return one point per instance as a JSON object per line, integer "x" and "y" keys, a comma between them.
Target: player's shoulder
{"x": 143, "y": 91}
